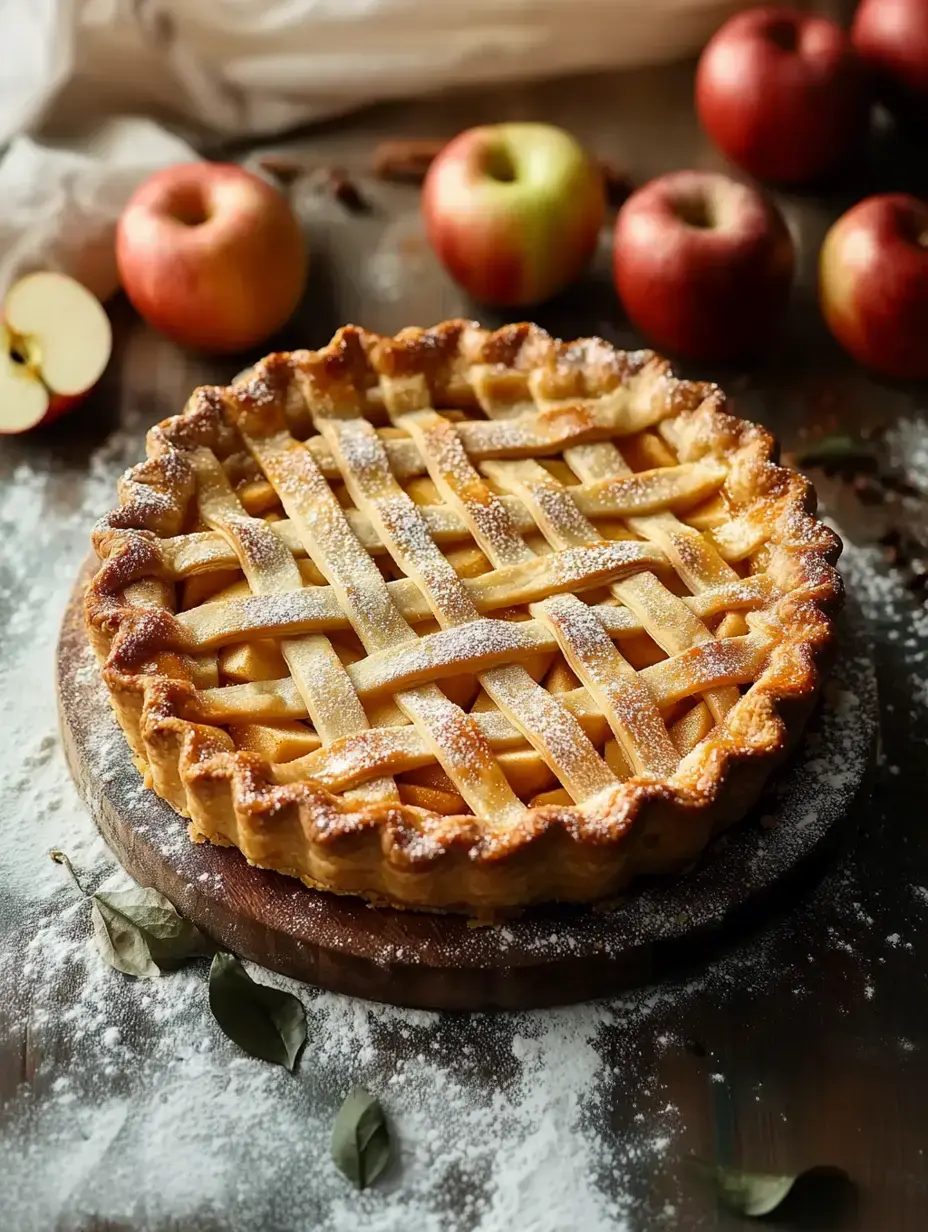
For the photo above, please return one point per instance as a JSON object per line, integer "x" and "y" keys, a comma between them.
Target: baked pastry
{"x": 462, "y": 620}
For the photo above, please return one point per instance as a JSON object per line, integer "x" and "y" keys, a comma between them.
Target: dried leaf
{"x": 755, "y": 1194}
{"x": 266, "y": 1022}
{"x": 120, "y": 943}
{"x": 361, "y": 1145}
{"x": 139, "y": 932}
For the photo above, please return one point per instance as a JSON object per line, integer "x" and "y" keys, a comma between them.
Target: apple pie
{"x": 462, "y": 620}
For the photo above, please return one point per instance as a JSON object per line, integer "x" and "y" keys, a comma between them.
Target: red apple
{"x": 703, "y": 264}
{"x": 513, "y": 211}
{"x": 891, "y": 37}
{"x": 55, "y": 341}
{"x": 873, "y": 284}
{"x": 782, "y": 94}
{"x": 211, "y": 255}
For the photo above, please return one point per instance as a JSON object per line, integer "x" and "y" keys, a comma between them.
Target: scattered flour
{"x": 907, "y": 445}
{"x": 133, "y": 1108}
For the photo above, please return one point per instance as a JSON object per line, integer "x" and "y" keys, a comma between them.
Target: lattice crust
{"x": 461, "y": 620}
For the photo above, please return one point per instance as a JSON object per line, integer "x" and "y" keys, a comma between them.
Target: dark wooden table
{"x": 823, "y": 1060}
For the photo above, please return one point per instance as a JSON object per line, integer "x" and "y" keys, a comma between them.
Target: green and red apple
{"x": 211, "y": 255}
{"x": 873, "y": 284}
{"x": 513, "y": 211}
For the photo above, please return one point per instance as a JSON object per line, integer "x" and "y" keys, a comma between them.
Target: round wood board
{"x": 546, "y": 956}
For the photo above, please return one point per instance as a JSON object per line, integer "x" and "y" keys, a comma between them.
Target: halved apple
{"x": 55, "y": 342}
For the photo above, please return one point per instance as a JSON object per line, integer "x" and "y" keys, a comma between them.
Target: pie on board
{"x": 462, "y": 620}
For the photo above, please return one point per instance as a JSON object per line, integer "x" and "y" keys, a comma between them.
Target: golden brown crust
{"x": 400, "y": 852}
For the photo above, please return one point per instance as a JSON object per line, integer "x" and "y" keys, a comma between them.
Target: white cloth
{"x": 249, "y": 67}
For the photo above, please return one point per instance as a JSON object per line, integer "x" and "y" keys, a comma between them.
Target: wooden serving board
{"x": 544, "y": 957}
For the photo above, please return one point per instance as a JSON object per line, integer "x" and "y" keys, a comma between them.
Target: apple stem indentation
{"x": 783, "y": 33}
{"x": 190, "y": 209}
{"x": 697, "y": 212}
{"x": 499, "y": 164}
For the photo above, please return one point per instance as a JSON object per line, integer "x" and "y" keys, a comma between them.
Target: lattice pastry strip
{"x": 453, "y": 737}
{"x": 546, "y": 725}
{"x": 222, "y": 621}
{"x": 631, "y": 405}
{"x": 613, "y": 683}
{"x": 643, "y": 491}
{"x": 545, "y": 429}
{"x": 269, "y": 568}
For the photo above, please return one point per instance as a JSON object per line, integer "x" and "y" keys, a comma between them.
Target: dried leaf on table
{"x": 140, "y": 932}
{"x": 361, "y": 1145}
{"x": 266, "y": 1022}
